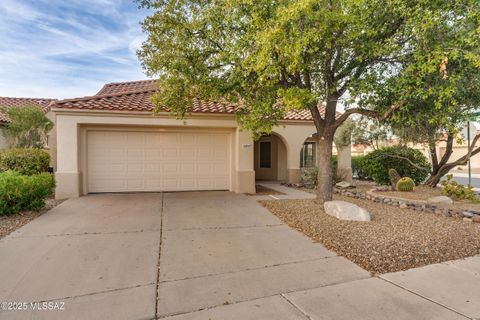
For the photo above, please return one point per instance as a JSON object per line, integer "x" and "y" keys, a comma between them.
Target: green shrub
{"x": 24, "y": 161}
{"x": 379, "y": 161}
{"x": 458, "y": 191}
{"x": 358, "y": 168}
{"x": 405, "y": 184}
{"x": 20, "y": 192}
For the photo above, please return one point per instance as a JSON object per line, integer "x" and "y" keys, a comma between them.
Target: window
{"x": 265, "y": 154}
{"x": 308, "y": 155}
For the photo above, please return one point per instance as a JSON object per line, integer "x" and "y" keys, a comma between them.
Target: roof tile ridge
{"x": 108, "y": 95}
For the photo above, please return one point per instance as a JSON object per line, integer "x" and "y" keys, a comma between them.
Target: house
{"x": 41, "y": 103}
{"x": 113, "y": 142}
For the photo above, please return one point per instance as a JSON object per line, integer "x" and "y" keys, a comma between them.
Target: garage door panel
{"x": 147, "y": 161}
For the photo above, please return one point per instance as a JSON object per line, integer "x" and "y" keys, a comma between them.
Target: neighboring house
{"x": 44, "y": 104}
{"x": 112, "y": 142}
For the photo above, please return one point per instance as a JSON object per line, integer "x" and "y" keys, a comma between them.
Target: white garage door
{"x": 157, "y": 161}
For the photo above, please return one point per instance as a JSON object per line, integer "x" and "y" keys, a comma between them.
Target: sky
{"x": 68, "y": 48}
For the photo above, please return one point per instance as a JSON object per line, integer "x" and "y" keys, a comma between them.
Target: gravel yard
{"x": 396, "y": 239}
{"x": 8, "y": 224}
{"x": 419, "y": 193}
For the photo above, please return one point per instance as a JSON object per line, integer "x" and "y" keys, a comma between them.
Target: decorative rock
{"x": 439, "y": 200}
{"x": 467, "y": 214}
{"x": 403, "y": 205}
{"x": 476, "y": 219}
{"x": 346, "y": 211}
{"x": 467, "y": 219}
{"x": 344, "y": 185}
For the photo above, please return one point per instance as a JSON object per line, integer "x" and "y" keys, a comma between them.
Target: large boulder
{"x": 346, "y": 211}
{"x": 440, "y": 200}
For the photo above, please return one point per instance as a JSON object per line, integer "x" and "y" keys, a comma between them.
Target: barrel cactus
{"x": 405, "y": 184}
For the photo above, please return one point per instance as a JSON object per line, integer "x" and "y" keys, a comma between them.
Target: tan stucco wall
{"x": 70, "y": 147}
{"x": 278, "y": 170}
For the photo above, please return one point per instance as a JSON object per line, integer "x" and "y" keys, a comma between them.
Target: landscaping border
{"x": 417, "y": 205}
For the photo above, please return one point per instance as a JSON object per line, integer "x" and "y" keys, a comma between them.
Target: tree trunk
{"x": 325, "y": 172}
{"x": 439, "y": 169}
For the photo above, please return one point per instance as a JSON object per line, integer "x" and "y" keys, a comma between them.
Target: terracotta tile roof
{"x": 121, "y": 87}
{"x": 9, "y": 102}
{"x": 135, "y": 96}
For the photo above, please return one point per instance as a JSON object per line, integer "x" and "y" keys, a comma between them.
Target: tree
{"x": 28, "y": 127}
{"x": 370, "y": 132}
{"x": 440, "y": 105}
{"x": 271, "y": 56}
{"x": 429, "y": 130}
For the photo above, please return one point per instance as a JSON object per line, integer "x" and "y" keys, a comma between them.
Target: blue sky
{"x": 67, "y": 48}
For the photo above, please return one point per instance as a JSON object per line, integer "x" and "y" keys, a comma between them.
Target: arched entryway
{"x": 270, "y": 158}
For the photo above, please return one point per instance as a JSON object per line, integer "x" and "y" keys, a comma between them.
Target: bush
{"x": 20, "y": 192}
{"x": 24, "y": 161}
{"x": 458, "y": 191}
{"x": 378, "y": 162}
{"x": 358, "y": 168}
{"x": 405, "y": 184}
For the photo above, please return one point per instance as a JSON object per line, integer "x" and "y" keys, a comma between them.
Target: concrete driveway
{"x": 196, "y": 255}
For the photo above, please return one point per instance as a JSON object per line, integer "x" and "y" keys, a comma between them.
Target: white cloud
{"x": 60, "y": 53}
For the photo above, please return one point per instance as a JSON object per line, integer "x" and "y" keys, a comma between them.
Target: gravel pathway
{"x": 396, "y": 239}
{"x": 8, "y": 224}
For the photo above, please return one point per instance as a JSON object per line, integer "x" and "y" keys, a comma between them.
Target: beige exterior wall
{"x": 71, "y": 145}
{"x": 278, "y": 169}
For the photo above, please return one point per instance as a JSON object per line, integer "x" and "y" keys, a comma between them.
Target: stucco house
{"x": 112, "y": 142}
{"x": 41, "y": 103}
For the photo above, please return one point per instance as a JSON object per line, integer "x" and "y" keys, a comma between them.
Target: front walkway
{"x": 222, "y": 256}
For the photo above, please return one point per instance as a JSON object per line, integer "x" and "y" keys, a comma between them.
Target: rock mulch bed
{"x": 413, "y": 200}
{"x": 396, "y": 239}
{"x": 420, "y": 193}
{"x": 8, "y": 224}
{"x": 467, "y": 214}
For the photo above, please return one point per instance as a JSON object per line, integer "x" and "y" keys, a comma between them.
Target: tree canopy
{"x": 28, "y": 127}
{"x": 270, "y": 56}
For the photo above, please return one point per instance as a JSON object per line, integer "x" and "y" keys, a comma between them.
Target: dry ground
{"x": 8, "y": 224}
{"x": 396, "y": 239}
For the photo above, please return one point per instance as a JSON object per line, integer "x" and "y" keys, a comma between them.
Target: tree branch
{"x": 408, "y": 160}
{"x": 369, "y": 113}
{"x": 471, "y": 152}
{"x": 448, "y": 151}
